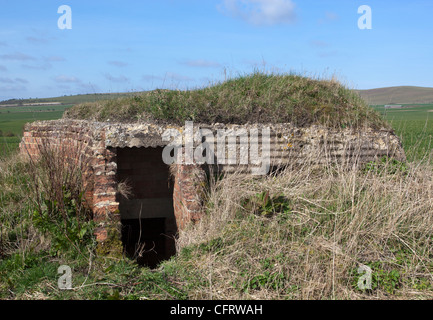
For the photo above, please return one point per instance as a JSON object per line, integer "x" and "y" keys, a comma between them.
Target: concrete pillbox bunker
{"x": 165, "y": 198}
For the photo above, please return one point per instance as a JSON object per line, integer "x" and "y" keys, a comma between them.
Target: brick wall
{"x": 79, "y": 144}
{"x": 187, "y": 193}
{"x": 107, "y": 150}
{"x": 104, "y": 199}
{"x": 72, "y": 142}
{"x": 104, "y": 167}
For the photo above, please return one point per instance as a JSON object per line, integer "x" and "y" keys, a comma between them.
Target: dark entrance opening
{"x": 145, "y": 240}
{"x": 146, "y": 205}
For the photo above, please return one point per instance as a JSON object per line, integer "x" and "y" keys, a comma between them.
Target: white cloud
{"x": 88, "y": 88}
{"x": 329, "y": 17}
{"x": 60, "y": 86}
{"x": 120, "y": 78}
{"x": 10, "y": 80}
{"x": 44, "y": 66}
{"x": 319, "y": 43}
{"x": 14, "y": 88}
{"x": 201, "y": 63}
{"x": 328, "y": 54}
{"x": 17, "y": 56}
{"x": 261, "y": 12}
{"x": 6, "y": 80}
{"x": 151, "y": 77}
{"x": 167, "y": 77}
{"x": 119, "y": 64}
{"x": 67, "y": 79}
{"x": 54, "y": 59}
{"x": 177, "y": 77}
{"x": 21, "y": 80}
{"x": 36, "y": 40}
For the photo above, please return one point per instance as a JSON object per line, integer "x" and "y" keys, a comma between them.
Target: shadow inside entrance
{"x": 146, "y": 241}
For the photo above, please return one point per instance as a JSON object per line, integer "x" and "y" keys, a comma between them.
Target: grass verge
{"x": 301, "y": 235}
{"x": 306, "y": 233}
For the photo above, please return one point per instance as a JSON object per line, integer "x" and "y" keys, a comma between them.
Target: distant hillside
{"x": 66, "y": 100}
{"x": 379, "y": 96}
{"x": 400, "y": 95}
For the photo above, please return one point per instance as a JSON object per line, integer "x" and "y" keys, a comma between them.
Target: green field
{"x": 69, "y": 100}
{"x": 13, "y": 119}
{"x": 414, "y": 125}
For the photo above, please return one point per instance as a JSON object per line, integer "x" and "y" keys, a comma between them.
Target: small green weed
{"x": 382, "y": 277}
{"x": 386, "y": 165}
{"x": 263, "y": 205}
{"x": 68, "y": 232}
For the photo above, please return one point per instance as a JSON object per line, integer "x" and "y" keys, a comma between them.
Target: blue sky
{"x": 120, "y": 46}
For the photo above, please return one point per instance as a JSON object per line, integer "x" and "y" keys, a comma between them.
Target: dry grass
{"x": 14, "y": 207}
{"x": 338, "y": 219}
{"x": 57, "y": 170}
{"x": 49, "y": 186}
{"x": 124, "y": 189}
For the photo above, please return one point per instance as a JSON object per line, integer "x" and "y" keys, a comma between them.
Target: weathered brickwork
{"x": 101, "y": 173}
{"x": 73, "y": 142}
{"x": 188, "y": 187}
{"x": 79, "y": 141}
{"x": 107, "y": 150}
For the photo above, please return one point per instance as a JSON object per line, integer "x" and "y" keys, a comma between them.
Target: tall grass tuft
{"x": 58, "y": 169}
{"x": 43, "y": 198}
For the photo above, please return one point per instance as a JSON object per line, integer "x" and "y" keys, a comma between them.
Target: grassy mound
{"x": 255, "y": 98}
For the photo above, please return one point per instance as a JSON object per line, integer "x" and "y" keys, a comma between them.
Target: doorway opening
{"x": 146, "y": 209}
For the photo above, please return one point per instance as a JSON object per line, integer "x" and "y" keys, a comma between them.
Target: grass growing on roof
{"x": 254, "y": 98}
